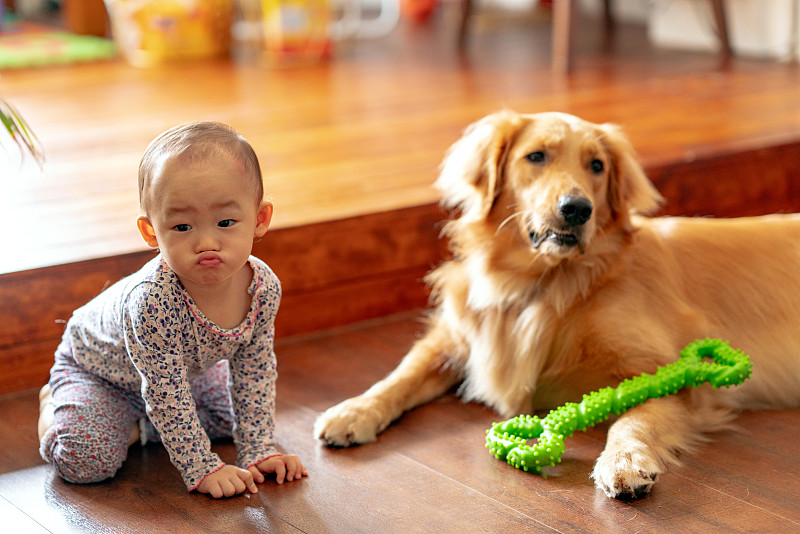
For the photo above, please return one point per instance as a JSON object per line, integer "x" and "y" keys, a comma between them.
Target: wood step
{"x": 356, "y": 268}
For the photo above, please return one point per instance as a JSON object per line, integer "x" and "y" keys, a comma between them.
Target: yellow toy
{"x": 152, "y": 32}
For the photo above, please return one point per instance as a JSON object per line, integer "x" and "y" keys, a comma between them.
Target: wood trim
{"x": 332, "y": 273}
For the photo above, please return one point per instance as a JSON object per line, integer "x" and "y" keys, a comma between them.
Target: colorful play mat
{"x": 23, "y": 44}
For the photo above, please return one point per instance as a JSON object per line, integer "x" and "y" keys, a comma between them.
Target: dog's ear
{"x": 629, "y": 189}
{"x": 471, "y": 174}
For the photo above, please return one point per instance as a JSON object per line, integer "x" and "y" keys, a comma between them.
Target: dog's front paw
{"x": 625, "y": 475}
{"x": 351, "y": 422}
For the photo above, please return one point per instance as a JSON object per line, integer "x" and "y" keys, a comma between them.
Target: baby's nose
{"x": 207, "y": 242}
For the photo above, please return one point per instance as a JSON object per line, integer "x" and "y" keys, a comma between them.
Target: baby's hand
{"x": 286, "y": 467}
{"x": 228, "y": 481}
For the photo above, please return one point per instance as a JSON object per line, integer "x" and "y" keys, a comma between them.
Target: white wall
{"x": 624, "y": 10}
{"x": 760, "y": 28}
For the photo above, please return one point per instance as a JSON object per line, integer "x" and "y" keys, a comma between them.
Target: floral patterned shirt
{"x": 145, "y": 333}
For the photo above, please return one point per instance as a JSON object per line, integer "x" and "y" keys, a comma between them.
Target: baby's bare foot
{"x": 45, "y": 411}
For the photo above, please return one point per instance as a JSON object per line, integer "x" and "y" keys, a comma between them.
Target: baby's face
{"x": 205, "y": 218}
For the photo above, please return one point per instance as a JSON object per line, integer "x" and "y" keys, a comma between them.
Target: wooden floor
{"x": 429, "y": 472}
{"x": 350, "y": 149}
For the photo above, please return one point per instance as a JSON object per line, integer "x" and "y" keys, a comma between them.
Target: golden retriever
{"x": 559, "y": 285}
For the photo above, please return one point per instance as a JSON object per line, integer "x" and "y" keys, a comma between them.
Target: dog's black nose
{"x": 575, "y": 210}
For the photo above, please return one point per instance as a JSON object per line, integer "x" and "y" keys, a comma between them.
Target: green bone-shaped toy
{"x": 508, "y": 440}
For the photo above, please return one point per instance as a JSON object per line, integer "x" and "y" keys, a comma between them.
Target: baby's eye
{"x": 182, "y": 227}
{"x": 226, "y": 223}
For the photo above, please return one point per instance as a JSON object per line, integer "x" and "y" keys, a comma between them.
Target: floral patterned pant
{"x": 93, "y": 419}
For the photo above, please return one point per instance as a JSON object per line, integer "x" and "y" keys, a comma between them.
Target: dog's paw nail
{"x": 644, "y": 475}
{"x": 632, "y": 494}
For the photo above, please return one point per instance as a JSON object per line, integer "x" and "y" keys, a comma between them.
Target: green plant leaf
{"x": 20, "y": 132}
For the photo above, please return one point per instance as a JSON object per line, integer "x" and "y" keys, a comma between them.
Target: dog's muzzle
{"x": 575, "y": 211}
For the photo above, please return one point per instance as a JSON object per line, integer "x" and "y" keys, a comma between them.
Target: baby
{"x": 182, "y": 350}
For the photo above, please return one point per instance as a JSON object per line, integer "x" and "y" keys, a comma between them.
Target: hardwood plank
{"x": 416, "y": 500}
{"x": 122, "y": 506}
{"x": 14, "y": 520}
{"x": 19, "y": 446}
{"x": 321, "y": 370}
{"x": 149, "y": 490}
{"x": 747, "y": 463}
{"x": 428, "y": 472}
{"x": 679, "y": 503}
{"x": 448, "y": 435}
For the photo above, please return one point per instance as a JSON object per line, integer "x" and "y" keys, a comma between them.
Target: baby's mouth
{"x": 209, "y": 260}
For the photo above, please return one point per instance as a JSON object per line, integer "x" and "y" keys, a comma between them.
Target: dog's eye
{"x": 597, "y": 166}
{"x": 537, "y": 158}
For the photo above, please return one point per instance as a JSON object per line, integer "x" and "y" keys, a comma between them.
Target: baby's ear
{"x": 263, "y": 218}
{"x": 147, "y": 231}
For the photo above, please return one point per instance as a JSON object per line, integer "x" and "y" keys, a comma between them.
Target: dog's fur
{"x": 545, "y": 300}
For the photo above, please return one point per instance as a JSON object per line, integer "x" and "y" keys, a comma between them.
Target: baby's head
{"x": 201, "y": 198}
{"x": 197, "y": 143}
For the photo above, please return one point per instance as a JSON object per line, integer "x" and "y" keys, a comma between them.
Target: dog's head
{"x": 552, "y": 178}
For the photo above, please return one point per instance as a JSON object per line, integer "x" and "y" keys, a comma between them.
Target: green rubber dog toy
{"x": 508, "y": 440}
